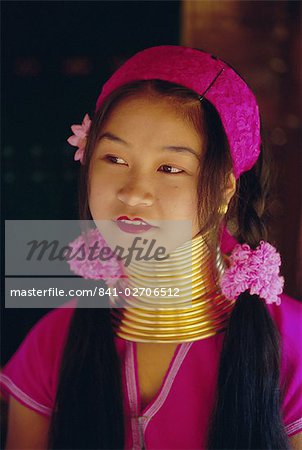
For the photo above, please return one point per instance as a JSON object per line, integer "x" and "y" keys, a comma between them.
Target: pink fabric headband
{"x": 209, "y": 77}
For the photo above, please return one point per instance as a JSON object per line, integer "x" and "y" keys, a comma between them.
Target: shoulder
{"x": 50, "y": 330}
{"x": 288, "y": 319}
{"x": 31, "y": 374}
{"x": 55, "y": 322}
{"x": 48, "y": 335}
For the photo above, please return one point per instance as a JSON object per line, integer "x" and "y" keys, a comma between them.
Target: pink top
{"x": 178, "y": 417}
{"x": 31, "y": 377}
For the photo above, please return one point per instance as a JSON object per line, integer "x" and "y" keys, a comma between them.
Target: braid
{"x": 250, "y": 203}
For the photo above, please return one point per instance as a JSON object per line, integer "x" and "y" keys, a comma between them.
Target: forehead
{"x": 152, "y": 119}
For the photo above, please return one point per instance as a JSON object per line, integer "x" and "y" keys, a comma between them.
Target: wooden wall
{"x": 262, "y": 40}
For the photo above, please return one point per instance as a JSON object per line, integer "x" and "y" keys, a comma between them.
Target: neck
{"x": 183, "y": 303}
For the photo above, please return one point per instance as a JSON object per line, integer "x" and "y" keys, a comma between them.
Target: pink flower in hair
{"x": 87, "y": 265}
{"x": 79, "y": 138}
{"x": 254, "y": 270}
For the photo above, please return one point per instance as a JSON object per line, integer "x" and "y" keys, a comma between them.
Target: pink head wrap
{"x": 209, "y": 77}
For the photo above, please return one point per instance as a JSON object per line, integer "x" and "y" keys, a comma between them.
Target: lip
{"x": 128, "y": 228}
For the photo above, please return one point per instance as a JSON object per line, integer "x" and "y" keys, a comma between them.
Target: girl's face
{"x": 146, "y": 165}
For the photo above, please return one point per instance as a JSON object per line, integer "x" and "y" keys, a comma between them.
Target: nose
{"x": 136, "y": 192}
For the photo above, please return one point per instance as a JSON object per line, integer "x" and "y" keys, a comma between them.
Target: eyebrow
{"x": 174, "y": 148}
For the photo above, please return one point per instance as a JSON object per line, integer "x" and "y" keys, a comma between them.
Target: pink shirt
{"x": 178, "y": 416}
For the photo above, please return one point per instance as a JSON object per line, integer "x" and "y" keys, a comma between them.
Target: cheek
{"x": 100, "y": 198}
{"x": 179, "y": 200}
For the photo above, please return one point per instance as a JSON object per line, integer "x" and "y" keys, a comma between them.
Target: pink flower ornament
{"x": 254, "y": 270}
{"x": 79, "y": 138}
{"x": 88, "y": 263}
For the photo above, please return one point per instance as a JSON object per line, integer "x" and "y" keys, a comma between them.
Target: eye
{"x": 173, "y": 168}
{"x": 111, "y": 158}
{"x": 167, "y": 169}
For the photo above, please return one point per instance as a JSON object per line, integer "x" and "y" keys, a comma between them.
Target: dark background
{"x": 55, "y": 57}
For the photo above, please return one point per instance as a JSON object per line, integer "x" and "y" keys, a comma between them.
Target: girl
{"x": 175, "y": 137}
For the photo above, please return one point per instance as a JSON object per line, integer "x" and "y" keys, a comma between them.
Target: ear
{"x": 231, "y": 187}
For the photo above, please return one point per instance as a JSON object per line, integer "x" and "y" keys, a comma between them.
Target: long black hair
{"x": 88, "y": 411}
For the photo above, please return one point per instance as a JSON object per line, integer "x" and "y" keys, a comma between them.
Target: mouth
{"x": 136, "y": 225}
